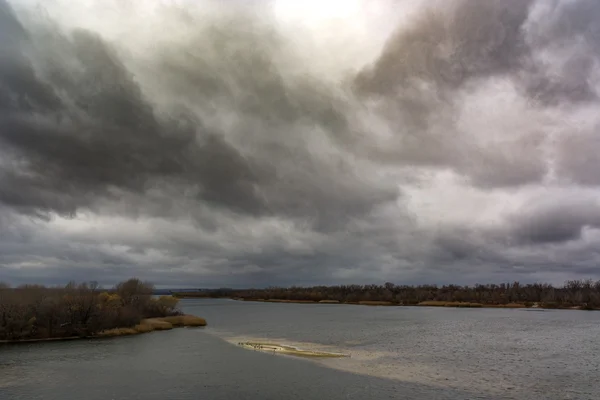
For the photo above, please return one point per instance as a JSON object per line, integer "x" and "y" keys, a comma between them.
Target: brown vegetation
{"x": 184, "y": 320}
{"x": 375, "y": 303}
{"x": 289, "y": 301}
{"x": 155, "y": 324}
{"x": 34, "y": 312}
{"x": 583, "y": 294}
{"x": 434, "y": 303}
{"x": 509, "y": 305}
{"x": 120, "y": 332}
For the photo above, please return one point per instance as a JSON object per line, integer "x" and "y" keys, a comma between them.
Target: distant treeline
{"x": 583, "y": 294}
{"x": 38, "y": 312}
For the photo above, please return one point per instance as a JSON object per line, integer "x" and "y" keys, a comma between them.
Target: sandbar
{"x": 288, "y": 350}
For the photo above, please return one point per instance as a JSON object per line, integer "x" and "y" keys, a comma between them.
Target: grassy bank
{"x": 145, "y": 326}
{"x": 155, "y": 324}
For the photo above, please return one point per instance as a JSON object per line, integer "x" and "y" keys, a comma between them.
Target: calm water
{"x": 396, "y": 353}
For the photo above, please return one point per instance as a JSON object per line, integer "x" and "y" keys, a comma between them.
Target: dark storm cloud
{"x": 425, "y": 69}
{"x": 206, "y": 151}
{"x": 546, "y": 221}
{"x": 449, "y": 46}
{"x": 103, "y": 133}
{"x": 235, "y": 64}
{"x": 19, "y": 86}
{"x": 89, "y": 128}
{"x": 473, "y": 39}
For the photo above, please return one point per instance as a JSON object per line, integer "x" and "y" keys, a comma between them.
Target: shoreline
{"x": 146, "y": 325}
{"x": 431, "y": 303}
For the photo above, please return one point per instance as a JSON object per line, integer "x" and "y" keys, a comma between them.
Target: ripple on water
{"x": 509, "y": 353}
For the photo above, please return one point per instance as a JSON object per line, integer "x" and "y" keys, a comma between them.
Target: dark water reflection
{"x": 385, "y": 343}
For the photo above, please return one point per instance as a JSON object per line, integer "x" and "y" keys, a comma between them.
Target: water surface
{"x": 399, "y": 353}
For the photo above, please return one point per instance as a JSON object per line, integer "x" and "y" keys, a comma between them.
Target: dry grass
{"x": 155, "y": 324}
{"x": 184, "y": 320}
{"x": 434, "y": 303}
{"x": 142, "y": 328}
{"x": 375, "y": 303}
{"x": 508, "y": 305}
{"x": 118, "y": 332}
{"x": 288, "y": 301}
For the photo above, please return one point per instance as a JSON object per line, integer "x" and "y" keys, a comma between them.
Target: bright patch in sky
{"x": 316, "y": 9}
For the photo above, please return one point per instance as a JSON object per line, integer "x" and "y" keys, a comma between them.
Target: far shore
{"x": 452, "y": 304}
{"x": 145, "y": 326}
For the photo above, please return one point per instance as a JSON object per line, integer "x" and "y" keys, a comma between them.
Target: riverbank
{"x": 429, "y": 303}
{"x": 145, "y": 326}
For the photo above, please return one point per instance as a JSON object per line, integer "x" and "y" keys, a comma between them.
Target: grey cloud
{"x": 457, "y": 244}
{"x": 224, "y": 160}
{"x": 451, "y": 45}
{"x": 547, "y": 222}
{"x": 20, "y": 87}
{"x": 426, "y": 66}
{"x": 563, "y": 21}
{"x": 425, "y": 69}
{"x": 564, "y": 38}
{"x": 572, "y": 83}
{"x": 577, "y": 160}
{"x": 489, "y": 169}
{"x": 104, "y": 133}
{"x": 478, "y": 39}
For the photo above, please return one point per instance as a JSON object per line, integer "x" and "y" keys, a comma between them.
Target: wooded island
{"x": 36, "y": 312}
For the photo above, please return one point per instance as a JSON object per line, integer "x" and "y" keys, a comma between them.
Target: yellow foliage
{"x": 168, "y": 301}
{"x": 111, "y": 300}
{"x": 103, "y": 297}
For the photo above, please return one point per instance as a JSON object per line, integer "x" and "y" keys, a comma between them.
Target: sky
{"x": 278, "y": 142}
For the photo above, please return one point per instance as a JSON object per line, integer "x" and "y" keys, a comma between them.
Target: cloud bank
{"x": 194, "y": 144}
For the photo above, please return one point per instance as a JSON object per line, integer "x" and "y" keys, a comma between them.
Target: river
{"x": 395, "y": 353}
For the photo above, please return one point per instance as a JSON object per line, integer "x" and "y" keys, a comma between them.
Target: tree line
{"x": 84, "y": 309}
{"x": 583, "y": 294}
